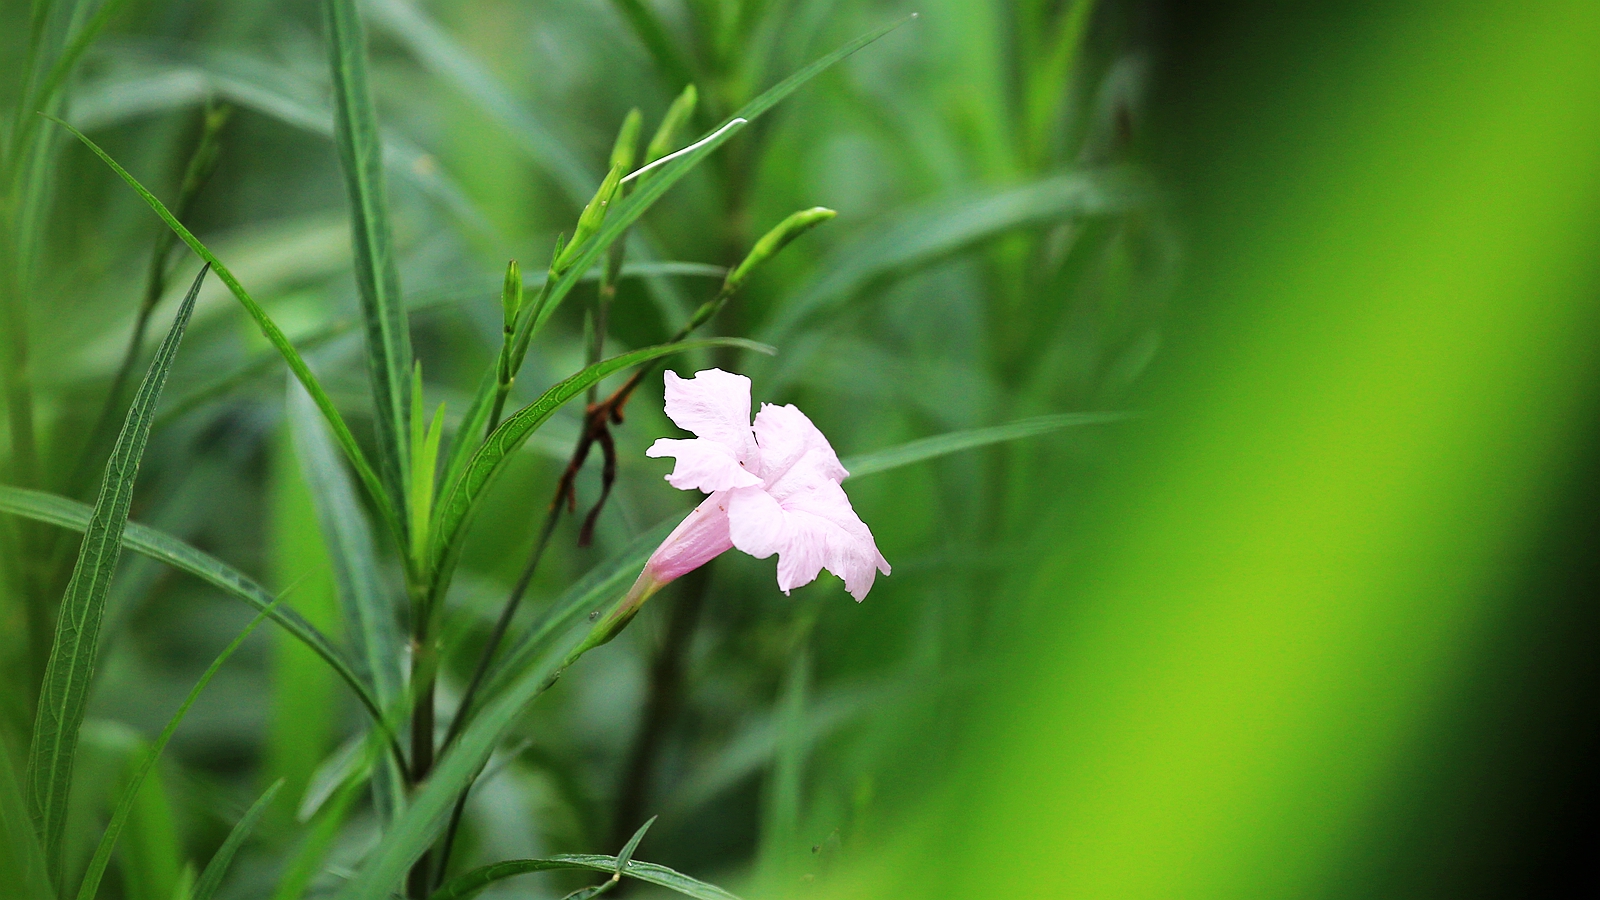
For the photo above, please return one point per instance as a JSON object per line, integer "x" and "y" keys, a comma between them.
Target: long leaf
{"x": 377, "y": 273}
{"x": 273, "y": 334}
{"x": 436, "y": 50}
{"x": 461, "y": 498}
{"x": 369, "y": 618}
{"x": 470, "y": 883}
{"x": 211, "y": 878}
{"x": 944, "y": 227}
{"x": 163, "y": 85}
{"x": 957, "y": 441}
{"x": 124, "y": 808}
{"x": 163, "y": 547}
{"x": 64, "y": 697}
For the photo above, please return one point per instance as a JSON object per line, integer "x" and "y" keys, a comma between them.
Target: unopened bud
{"x": 511, "y": 295}
{"x": 594, "y": 215}
{"x": 627, "y": 144}
{"x": 678, "y": 115}
{"x": 774, "y": 241}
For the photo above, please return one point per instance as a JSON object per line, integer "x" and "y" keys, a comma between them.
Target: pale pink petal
{"x": 795, "y": 456}
{"x": 697, "y": 540}
{"x": 715, "y": 405}
{"x": 703, "y": 465}
{"x": 756, "y": 522}
{"x": 822, "y": 531}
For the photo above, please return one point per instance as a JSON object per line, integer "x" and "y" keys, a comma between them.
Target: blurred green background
{"x": 1317, "y": 621}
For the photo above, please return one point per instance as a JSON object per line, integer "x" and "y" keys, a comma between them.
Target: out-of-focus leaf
{"x": 944, "y": 227}
{"x": 64, "y": 697}
{"x": 274, "y": 335}
{"x": 22, "y": 863}
{"x": 211, "y": 878}
{"x": 119, "y": 816}
{"x": 158, "y": 545}
{"x": 370, "y": 620}
{"x": 377, "y": 272}
{"x": 955, "y": 442}
{"x": 439, "y": 52}
{"x": 157, "y": 85}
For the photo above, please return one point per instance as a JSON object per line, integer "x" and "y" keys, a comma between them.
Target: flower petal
{"x": 756, "y": 522}
{"x": 715, "y": 405}
{"x": 824, "y": 532}
{"x": 703, "y": 465}
{"x": 795, "y": 456}
{"x": 697, "y": 540}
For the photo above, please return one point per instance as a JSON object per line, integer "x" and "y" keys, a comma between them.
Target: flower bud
{"x": 774, "y": 241}
{"x": 511, "y": 295}
{"x": 594, "y": 215}
{"x": 678, "y": 115}
{"x": 627, "y": 145}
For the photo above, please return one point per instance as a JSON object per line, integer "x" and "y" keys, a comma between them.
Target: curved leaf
{"x": 211, "y": 878}
{"x": 957, "y": 441}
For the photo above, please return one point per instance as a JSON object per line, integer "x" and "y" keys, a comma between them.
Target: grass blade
{"x": 269, "y": 329}
{"x": 436, "y": 50}
{"x": 945, "y": 227}
{"x": 211, "y": 878}
{"x": 957, "y": 441}
{"x": 470, "y": 883}
{"x": 462, "y": 496}
{"x": 163, "y": 547}
{"x": 119, "y": 817}
{"x": 63, "y": 700}
{"x": 377, "y": 274}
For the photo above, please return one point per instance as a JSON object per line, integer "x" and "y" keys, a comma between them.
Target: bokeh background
{"x": 1317, "y": 619}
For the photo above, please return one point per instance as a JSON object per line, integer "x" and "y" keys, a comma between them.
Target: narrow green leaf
{"x": 470, "y": 883}
{"x": 957, "y": 441}
{"x": 119, "y": 816}
{"x": 273, "y": 334}
{"x": 677, "y": 116}
{"x": 436, "y": 50}
{"x": 211, "y": 878}
{"x": 163, "y": 547}
{"x": 944, "y": 227}
{"x": 461, "y": 498}
{"x": 377, "y": 272}
{"x": 73, "y": 656}
{"x": 626, "y": 856}
{"x": 276, "y": 92}
{"x": 652, "y": 32}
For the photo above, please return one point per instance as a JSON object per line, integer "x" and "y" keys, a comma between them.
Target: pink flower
{"x": 774, "y": 488}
